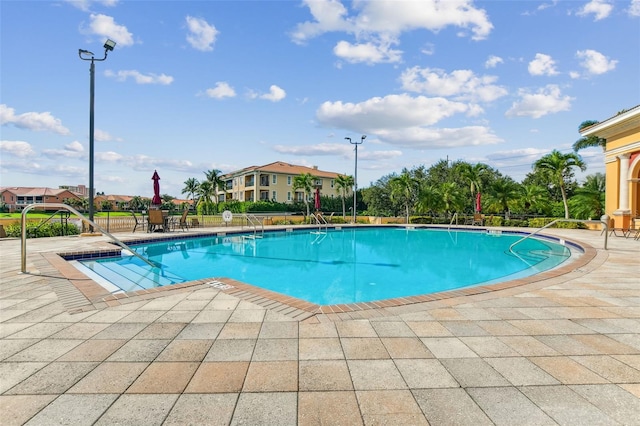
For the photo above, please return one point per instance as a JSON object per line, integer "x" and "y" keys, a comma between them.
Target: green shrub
{"x": 518, "y": 223}
{"x": 421, "y": 220}
{"x": 493, "y": 221}
{"x": 37, "y": 230}
{"x": 570, "y": 225}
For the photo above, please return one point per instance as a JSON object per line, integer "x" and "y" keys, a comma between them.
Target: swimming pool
{"x": 339, "y": 266}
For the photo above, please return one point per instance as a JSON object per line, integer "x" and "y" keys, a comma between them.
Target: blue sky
{"x": 199, "y": 85}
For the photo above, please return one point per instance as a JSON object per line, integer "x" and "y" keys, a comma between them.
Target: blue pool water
{"x": 339, "y": 266}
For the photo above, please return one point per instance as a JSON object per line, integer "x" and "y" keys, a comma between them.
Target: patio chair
{"x": 183, "y": 220}
{"x": 156, "y": 221}
{"x": 141, "y": 222}
{"x": 194, "y": 222}
{"x": 478, "y": 219}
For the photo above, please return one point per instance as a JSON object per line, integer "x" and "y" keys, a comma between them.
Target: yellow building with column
{"x": 622, "y": 165}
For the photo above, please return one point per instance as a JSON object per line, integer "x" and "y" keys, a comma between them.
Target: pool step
{"x": 129, "y": 277}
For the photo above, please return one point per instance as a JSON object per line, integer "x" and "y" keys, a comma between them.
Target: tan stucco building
{"x": 622, "y": 165}
{"x": 273, "y": 182}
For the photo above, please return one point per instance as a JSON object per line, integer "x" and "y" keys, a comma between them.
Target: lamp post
{"x": 355, "y": 179}
{"x": 84, "y": 55}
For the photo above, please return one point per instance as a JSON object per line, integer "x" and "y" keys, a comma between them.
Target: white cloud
{"x": 331, "y": 149}
{"x": 37, "y": 121}
{"x": 545, "y": 101}
{"x": 102, "y": 136}
{"x": 71, "y": 150}
{"x": 542, "y": 65}
{"x": 520, "y": 155}
{"x": 595, "y": 62}
{"x": 202, "y": 35}
{"x": 220, "y": 91}
{"x": 376, "y": 25}
{"x": 105, "y": 26}
{"x": 370, "y": 53}
{"x": 600, "y": 9}
{"x": 85, "y": 5}
{"x": 275, "y": 94}
{"x": 108, "y": 157}
{"x": 329, "y": 15}
{"x": 459, "y": 84}
{"x": 493, "y": 61}
{"x": 140, "y": 78}
{"x": 389, "y": 112}
{"x": 344, "y": 150}
{"x": 403, "y": 120}
{"x": 18, "y": 149}
{"x": 365, "y": 155}
{"x": 634, "y": 8}
{"x": 424, "y": 137}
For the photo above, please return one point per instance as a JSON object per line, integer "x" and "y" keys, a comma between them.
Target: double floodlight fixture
{"x": 109, "y": 45}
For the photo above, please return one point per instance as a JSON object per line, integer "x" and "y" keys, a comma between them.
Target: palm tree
{"x": 504, "y": 191}
{"x": 191, "y": 187}
{"x": 344, "y": 184}
{"x": 136, "y": 203}
{"x": 304, "y": 182}
{"x": 559, "y": 169}
{"x": 213, "y": 176}
{"x": 205, "y": 191}
{"x": 450, "y": 196}
{"x": 589, "y": 141}
{"x": 533, "y": 198}
{"x": 429, "y": 199}
{"x": 404, "y": 189}
{"x": 589, "y": 198}
{"x": 472, "y": 175}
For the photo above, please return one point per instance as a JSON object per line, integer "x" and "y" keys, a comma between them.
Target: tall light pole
{"x": 355, "y": 179}
{"x": 84, "y": 55}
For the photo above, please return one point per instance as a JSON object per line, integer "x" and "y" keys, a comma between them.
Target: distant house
{"x": 118, "y": 202}
{"x": 18, "y": 197}
{"x": 622, "y": 162}
{"x": 273, "y": 182}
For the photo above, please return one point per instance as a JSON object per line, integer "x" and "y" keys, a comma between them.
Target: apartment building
{"x": 274, "y": 182}
{"x": 18, "y": 197}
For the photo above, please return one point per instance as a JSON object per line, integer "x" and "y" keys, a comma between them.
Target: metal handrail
{"x": 23, "y": 224}
{"x": 320, "y": 221}
{"x": 601, "y": 221}
{"x": 51, "y": 217}
{"x": 454, "y": 217}
{"x": 250, "y": 220}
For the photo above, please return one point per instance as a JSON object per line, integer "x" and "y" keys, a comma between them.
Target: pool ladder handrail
{"x": 23, "y": 226}
{"x": 454, "y": 217}
{"x": 255, "y": 222}
{"x": 321, "y": 222}
{"x": 602, "y": 221}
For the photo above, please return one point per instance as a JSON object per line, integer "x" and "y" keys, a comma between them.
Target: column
{"x": 623, "y": 203}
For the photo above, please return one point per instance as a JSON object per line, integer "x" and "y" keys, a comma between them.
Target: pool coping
{"x": 90, "y": 295}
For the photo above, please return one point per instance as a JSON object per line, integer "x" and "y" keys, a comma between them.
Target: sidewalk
{"x": 562, "y": 351}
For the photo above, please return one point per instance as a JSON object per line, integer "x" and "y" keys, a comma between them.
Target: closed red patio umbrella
{"x": 156, "y": 200}
{"x": 317, "y": 199}
{"x": 478, "y": 202}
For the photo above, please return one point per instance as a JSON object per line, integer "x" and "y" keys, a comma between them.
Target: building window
{"x": 332, "y": 182}
{"x": 289, "y": 196}
{"x": 273, "y": 194}
{"x": 274, "y": 179}
{"x": 289, "y": 180}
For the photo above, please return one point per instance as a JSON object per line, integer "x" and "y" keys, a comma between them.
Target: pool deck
{"x": 561, "y": 350}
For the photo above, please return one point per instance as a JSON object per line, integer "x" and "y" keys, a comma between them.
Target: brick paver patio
{"x": 564, "y": 350}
